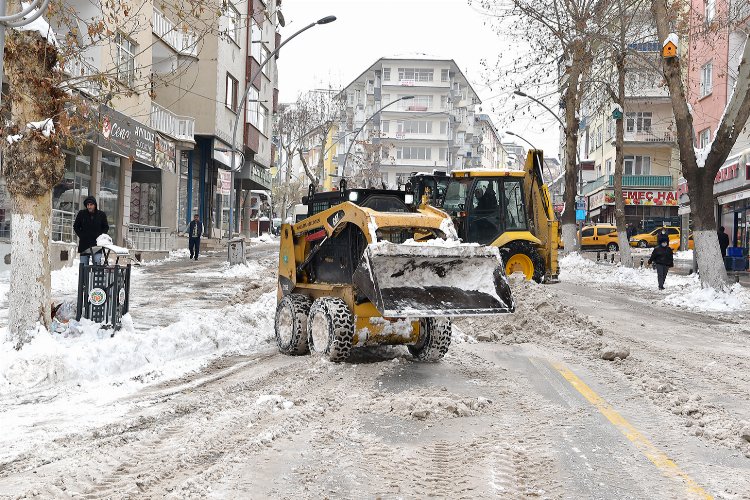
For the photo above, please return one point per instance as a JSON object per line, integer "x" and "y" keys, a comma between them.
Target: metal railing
{"x": 631, "y": 181}
{"x": 156, "y": 238}
{"x": 179, "y": 127}
{"x": 82, "y": 74}
{"x": 182, "y": 41}
{"x": 651, "y": 134}
{"x": 62, "y": 225}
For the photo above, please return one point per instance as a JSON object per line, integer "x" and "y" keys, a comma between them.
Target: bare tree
{"x": 700, "y": 166}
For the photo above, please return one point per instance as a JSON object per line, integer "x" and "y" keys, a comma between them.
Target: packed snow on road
{"x": 600, "y": 386}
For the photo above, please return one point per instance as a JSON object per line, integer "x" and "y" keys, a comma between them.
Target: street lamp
{"x": 524, "y": 140}
{"x": 253, "y": 76}
{"x": 343, "y": 167}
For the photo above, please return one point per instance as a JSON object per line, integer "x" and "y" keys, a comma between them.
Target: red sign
{"x": 726, "y": 173}
{"x": 668, "y": 198}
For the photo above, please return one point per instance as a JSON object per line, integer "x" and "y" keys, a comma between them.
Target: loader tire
{"x": 290, "y": 324}
{"x": 434, "y": 339}
{"x": 330, "y": 329}
{"x": 524, "y": 256}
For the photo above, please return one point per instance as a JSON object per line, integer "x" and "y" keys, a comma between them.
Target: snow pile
{"x": 684, "y": 255}
{"x": 682, "y": 291}
{"x": 263, "y": 238}
{"x": 225, "y": 270}
{"x": 174, "y": 255}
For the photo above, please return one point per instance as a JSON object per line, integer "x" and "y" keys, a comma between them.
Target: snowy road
{"x": 522, "y": 406}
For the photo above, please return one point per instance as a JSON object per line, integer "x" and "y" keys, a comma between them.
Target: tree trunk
{"x": 571, "y": 99}
{"x": 29, "y": 268}
{"x": 622, "y": 235}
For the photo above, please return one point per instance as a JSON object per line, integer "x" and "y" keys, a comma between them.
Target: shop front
{"x": 644, "y": 208}
{"x": 732, "y": 191}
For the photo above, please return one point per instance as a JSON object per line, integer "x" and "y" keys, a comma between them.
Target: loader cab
{"x": 436, "y": 183}
{"x": 484, "y": 207}
{"x": 380, "y": 200}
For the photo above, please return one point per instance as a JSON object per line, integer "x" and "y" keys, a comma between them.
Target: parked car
{"x": 646, "y": 240}
{"x": 598, "y": 236}
{"x": 674, "y": 243}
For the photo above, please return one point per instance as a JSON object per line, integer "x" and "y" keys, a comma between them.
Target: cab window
{"x": 673, "y": 230}
{"x": 455, "y": 194}
{"x": 515, "y": 210}
{"x": 603, "y": 231}
{"x": 587, "y": 232}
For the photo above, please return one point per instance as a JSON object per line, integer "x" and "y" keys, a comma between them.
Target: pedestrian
{"x": 90, "y": 223}
{"x": 662, "y": 258}
{"x": 723, "y": 242}
{"x": 195, "y": 229}
{"x": 662, "y": 237}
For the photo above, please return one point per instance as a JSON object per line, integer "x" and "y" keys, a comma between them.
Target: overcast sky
{"x": 366, "y": 30}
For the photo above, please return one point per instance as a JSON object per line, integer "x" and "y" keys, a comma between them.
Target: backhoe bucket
{"x": 418, "y": 281}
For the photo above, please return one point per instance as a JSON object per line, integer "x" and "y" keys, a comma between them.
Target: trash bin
{"x": 104, "y": 289}
{"x": 236, "y": 251}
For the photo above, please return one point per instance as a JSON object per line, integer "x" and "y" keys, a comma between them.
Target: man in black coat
{"x": 723, "y": 242}
{"x": 662, "y": 258}
{"x": 195, "y": 229}
{"x": 90, "y": 223}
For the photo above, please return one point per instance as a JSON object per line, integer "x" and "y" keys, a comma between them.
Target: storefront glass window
{"x": 145, "y": 196}
{"x": 69, "y": 194}
{"x": 110, "y": 191}
{"x": 5, "y": 210}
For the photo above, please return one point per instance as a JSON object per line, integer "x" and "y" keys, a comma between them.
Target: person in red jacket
{"x": 662, "y": 258}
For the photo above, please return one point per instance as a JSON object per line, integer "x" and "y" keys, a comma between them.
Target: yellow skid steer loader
{"x": 367, "y": 268}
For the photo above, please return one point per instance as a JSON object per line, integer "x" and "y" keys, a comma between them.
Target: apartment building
{"x": 515, "y": 155}
{"x": 651, "y": 158}
{"x": 418, "y": 115}
{"x": 719, "y": 34}
{"x": 161, "y": 138}
{"x": 493, "y": 154}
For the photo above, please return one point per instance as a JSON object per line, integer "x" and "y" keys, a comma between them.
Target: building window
{"x": 443, "y": 102}
{"x": 704, "y": 138}
{"x": 350, "y": 98}
{"x": 415, "y": 74}
{"x": 234, "y": 23}
{"x": 638, "y": 122}
{"x": 415, "y": 127}
{"x": 262, "y": 119}
{"x": 637, "y": 165}
{"x": 386, "y": 74}
{"x": 710, "y": 11}
{"x": 231, "y": 97}
{"x": 256, "y": 40}
{"x": 609, "y": 167}
{"x": 251, "y": 115}
{"x": 419, "y": 103}
{"x": 610, "y": 129}
{"x": 599, "y": 136}
{"x": 413, "y": 153}
{"x": 126, "y": 50}
{"x": 264, "y": 53}
{"x": 443, "y": 128}
{"x": 443, "y": 154}
{"x": 444, "y": 75}
{"x": 707, "y": 78}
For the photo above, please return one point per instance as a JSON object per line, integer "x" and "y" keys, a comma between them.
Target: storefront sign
{"x": 656, "y": 198}
{"x": 124, "y": 136}
{"x": 165, "y": 153}
{"x": 726, "y": 173}
{"x": 729, "y": 198}
{"x": 224, "y": 182}
{"x": 144, "y": 144}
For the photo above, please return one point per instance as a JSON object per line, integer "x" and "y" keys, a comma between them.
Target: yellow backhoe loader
{"x": 367, "y": 268}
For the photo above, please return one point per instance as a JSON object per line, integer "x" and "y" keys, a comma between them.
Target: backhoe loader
{"x": 367, "y": 268}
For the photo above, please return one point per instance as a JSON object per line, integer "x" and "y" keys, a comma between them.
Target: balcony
{"x": 181, "y": 41}
{"x": 664, "y": 135}
{"x": 180, "y": 127}
{"x": 631, "y": 181}
{"x": 82, "y": 76}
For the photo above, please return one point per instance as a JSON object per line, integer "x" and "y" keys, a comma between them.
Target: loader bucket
{"x": 419, "y": 281}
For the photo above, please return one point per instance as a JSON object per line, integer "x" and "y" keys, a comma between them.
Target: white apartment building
{"x": 434, "y": 129}
{"x": 491, "y": 149}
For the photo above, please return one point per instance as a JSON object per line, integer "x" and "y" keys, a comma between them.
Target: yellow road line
{"x": 657, "y": 457}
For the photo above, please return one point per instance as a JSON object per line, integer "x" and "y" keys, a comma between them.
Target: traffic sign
{"x": 580, "y": 215}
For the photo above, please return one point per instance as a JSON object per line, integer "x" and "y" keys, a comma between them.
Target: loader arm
{"x": 544, "y": 224}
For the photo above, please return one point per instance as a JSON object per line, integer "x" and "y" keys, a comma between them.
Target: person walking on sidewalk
{"x": 195, "y": 229}
{"x": 723, "y": 242}
{"x": 662, "y": 258}
{"x": 90, "y": 223}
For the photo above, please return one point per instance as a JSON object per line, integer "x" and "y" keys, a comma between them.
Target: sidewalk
{"x": 681, "y": 266}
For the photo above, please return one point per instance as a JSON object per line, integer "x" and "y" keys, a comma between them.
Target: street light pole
{"x": 253, "y": 76}
{"x": 16, "y": 21}
{"x": 524, "y": 140}
{"x": 343, "y": 167}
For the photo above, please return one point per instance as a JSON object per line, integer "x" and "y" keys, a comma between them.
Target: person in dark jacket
{"x": 662, "y": 258}
{"x": 90, "y": 223}
{"x": 195, "y": 229}
{"x": 723, "y": 242}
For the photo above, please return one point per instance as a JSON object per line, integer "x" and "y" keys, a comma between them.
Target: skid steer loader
{"x": 367, "y": 268}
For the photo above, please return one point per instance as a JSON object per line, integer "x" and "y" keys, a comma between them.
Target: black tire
{"x": 332, "y": 324}
{"x": 642, "y": 244}
{"x": 528, "y": 249}
{"x": 612, "y": 247}
{"x": 434, "y": 339}
{"x": 290, "y": 325}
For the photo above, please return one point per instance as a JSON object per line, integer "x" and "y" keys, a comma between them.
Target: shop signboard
{"x": 165, "y": 153}
{"x": 124, "y": 136}
{"x": 637, "y": 197}
{"x": 224, "y": 181}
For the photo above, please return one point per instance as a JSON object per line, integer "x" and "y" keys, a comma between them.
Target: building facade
{"x": 426, "y": 121}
